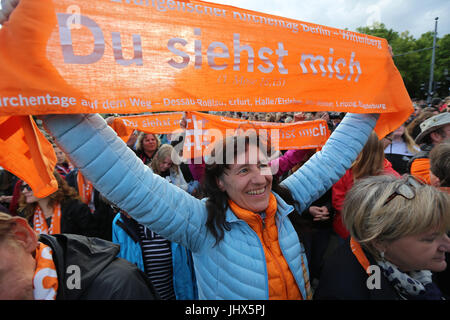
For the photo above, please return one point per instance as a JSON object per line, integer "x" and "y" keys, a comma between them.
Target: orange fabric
{"x": 420, "y": 168}
{"x": 25, "y": 152}
{"x": 45, "y": 280}
{"x": 359, "y": 254}
{"x": 161, "y": 123}
{"x": 85, "y": 188}
{"x": 201, "y": 56}
{"x": 204, "y": 129}
{"x": 40, "y": 224}
{"x": 189, "y": 55}
{"x": 282, "y": 285}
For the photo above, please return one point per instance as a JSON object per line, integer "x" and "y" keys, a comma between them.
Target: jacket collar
{"x": 283, "y": 209}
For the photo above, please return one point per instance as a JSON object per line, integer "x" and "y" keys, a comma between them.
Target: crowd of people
{"x": 221, "y": 230}
{"x": 361, "y": 218}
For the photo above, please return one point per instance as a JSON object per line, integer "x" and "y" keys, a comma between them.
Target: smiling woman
{"x": 243, "y": 243}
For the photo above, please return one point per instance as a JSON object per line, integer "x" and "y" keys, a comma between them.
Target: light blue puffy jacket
{"x": 236, "y": 267}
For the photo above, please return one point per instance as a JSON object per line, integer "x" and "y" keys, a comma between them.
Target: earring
{"x": 382, "y": 255}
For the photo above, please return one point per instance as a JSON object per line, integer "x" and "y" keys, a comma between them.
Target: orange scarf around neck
{"x": 40, "y": 223}
{"x": 360, "y": 255}
{"x": 282, "y": 284}
{"x": 45, "y": 280}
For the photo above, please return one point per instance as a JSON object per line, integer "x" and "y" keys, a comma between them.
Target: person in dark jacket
{"x": 398, "y": 230}
{"x": 60, "y": 212}
{"x": 64, "y": 267}
{"x": 102, "y": 212}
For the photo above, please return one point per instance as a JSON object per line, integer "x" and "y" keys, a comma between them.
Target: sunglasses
{"x": 406, "y": 189}
{"x": 25, "y": 187}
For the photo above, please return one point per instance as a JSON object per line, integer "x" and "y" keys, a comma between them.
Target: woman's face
{"x": 60, "y": 156}
{"x": 248, "y": 182}
{"x": 28, "y": 194}
{"x": 399, "y": 131}
{"x": 165, "y": 164}
{"x": 425, "y": 251}
{"x": 149, "y": 143}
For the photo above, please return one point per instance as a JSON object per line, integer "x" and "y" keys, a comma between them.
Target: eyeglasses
{"x": 406, "y": 189}
{"x": 25, "y": 187}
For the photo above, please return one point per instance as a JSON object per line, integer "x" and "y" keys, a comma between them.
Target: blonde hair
{"x": 370, "y": 161}
{"x": 410, "y": 143}
{"x": 166, "y": 150}
{"x": 369, "y": 219}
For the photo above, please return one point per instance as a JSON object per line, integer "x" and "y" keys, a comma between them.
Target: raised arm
{"x": 123, "y": 179}
{"x": 327, "y": 166}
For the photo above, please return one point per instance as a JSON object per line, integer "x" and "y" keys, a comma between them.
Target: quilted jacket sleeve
{"x": 327, "y": 166}
{"x": 123, "y": 179}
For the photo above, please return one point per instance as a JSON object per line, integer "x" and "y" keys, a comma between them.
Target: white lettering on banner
{"x": 45, "y": 99}
{"x": 317, "y": 29}
{"x": 183, "y": 6}
{"x": 129, "y": 123}
{"x": 183, "y": 59}
{"x": 312, "y": 65}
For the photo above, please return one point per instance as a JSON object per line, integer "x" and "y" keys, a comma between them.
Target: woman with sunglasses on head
{"x": 60, "y": 212}
{"x": 398, "y": 230}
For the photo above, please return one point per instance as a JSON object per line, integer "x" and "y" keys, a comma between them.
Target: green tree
{"x": 413, "y": 57}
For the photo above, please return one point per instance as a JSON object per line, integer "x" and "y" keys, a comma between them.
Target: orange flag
{"x": 25, "y": 152}
{"x": 135, "y": 56}
{"x": 204, "y": 129}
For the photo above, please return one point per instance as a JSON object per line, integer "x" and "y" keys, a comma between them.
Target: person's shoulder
{"x": 122, "y": 280}
{"x": 342, "y": 276}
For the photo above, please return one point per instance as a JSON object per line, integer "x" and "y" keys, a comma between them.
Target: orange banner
{"x": 25, "y": 152}
{"x": 160, "y": 123}
{"x": 134, "y": 56}
{"x": 204, "y": 129}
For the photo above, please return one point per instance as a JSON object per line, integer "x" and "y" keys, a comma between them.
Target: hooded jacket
{"x": 102, "y": 276}
{"x": 236, "y": 267}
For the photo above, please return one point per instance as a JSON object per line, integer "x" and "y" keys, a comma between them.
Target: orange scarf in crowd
{"x": 420, "y": 168}
{"x": 359, "y": 254}
{"x": 40, "y": 224}
{"x": 282, "y": 284}
{"x": 45, "y": 281}
{"x": 85, "y": 190}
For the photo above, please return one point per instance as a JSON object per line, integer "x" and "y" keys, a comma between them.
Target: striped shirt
{"x": 157, "y": 258}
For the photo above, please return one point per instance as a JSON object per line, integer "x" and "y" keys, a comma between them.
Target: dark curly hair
{"x": 217, "y": 200}
{"x": 63, "y": 193}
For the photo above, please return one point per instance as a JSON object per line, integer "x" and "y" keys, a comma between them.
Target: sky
{"x": 416, "y": 16}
